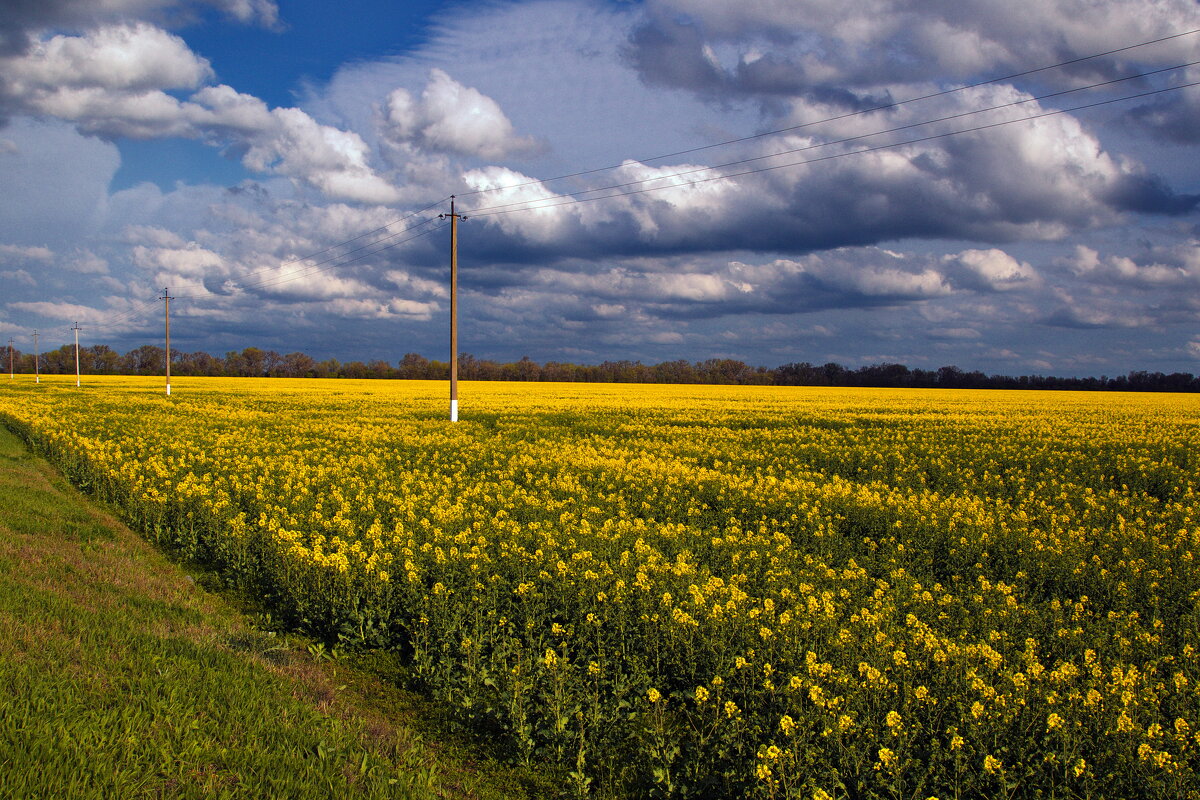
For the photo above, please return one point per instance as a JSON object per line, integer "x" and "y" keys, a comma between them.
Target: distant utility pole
{"x": 167, "y": 297}
{"x": 453, "y": 309}
{"x": 10, "y": 358}
{"x": 76, "y": 329}
{"x": 37, "y": 354}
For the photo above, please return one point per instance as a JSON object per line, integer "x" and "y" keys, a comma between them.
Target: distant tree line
{"x": 254, "y": 362}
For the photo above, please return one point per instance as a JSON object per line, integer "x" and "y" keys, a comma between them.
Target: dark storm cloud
{"x": 1149, "y": 194}
{"x": 1175, "y": 118}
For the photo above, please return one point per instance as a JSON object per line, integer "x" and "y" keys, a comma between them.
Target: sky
{"x": 1009, "y": 187}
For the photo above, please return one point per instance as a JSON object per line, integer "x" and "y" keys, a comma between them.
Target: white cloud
{"x": 113, "y": 82}
{"x": 1177, "y": 265}
{"x": 191, "y": 261}
{"x": 18, "y": 276}
{"x": 382, "y": 309}
{"x": 453, "y": 118}
{"x": 991, "y": 269}
{"x": 62, "y": 311}
{"x": 86, "y": 262}
{"x": 412, "y": 284}
{"x": 815, "y": 43}
{"x": 20, "y": 20}
{"x": 660, "y": 274}
{"x": 1089, "y": 310}
{"x": 133, "y": 58}
{"x": 10, "y": 252}
{"x": 545, "y": 217}
{"x": 331, "y": 160}
{"x": 262, "y": 12}
{"x": 152, "y": 235}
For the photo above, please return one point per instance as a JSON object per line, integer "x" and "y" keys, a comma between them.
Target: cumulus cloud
{"x": 1175, "y": 266}
{"x": 151, "y": 235}
{"x": 924, "y": 250}
{"x": 130, "y": 58}
{"x": 449, "y": 117}
{"x": 702, "y": 287}
{"x": 836, "y": 50}
{"x": 114, "y": 81}
{"x": 990, "y": 270}
{"x": 191, "y": 261}
{"x": 331, "y": 160}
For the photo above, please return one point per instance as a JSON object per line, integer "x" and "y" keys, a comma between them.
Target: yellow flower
{"x": 787, "y": 725}
{"x": 701, "y": 694}
{"x": 886, "y": 757}
{"x": 731, "y": 709}
{"x": 894, "y": 722}
{"x": 654, "y": 695}
{"x": 1079, "y": 768}
{"x": 991, "y": 764}
{"x": 1053, "y": 722}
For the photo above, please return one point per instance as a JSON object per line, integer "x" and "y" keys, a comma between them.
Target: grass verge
{"x": 122, "y": 677}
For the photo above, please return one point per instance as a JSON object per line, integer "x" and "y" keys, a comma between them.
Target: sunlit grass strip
{"x": 122, "y": 679}
{"x": 703, "y": 591}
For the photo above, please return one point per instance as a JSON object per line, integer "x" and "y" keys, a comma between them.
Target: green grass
{"x": 122, "y": 677}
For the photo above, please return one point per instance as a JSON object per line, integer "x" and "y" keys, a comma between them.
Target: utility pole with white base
{"x": 76, "y": 329}
{"x": 167, "y": 297}
{"x": 453, "y": 308}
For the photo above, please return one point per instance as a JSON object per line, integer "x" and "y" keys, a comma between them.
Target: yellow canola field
{"x": 697, "y": 591}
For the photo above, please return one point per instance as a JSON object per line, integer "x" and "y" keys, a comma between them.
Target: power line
{"x": 858, "y": 137}
{"x": 272, "y": 281}
{"x": 320, "y": 266}
{"x": 333, "y": 262}
{"x": 576, "y": 197}
{"x": 366, "y": 251}
{"x": 847, "y": 115}
{"x": 381, "y": 228}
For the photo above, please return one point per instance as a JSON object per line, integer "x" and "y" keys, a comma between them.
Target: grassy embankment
{"x": 122, "y": 677}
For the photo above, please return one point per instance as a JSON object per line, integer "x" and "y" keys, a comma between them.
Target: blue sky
{"x": 248, "y": 155}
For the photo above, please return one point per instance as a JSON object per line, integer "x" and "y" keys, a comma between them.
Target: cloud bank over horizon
{"x": 872, "y": 228}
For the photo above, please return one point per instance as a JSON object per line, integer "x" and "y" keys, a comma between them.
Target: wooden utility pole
{"x": 37, "y": 355}
{"x": 76, "y": 329}
{"x": 453, "y": 309}
{"x": 167, "y": 297}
